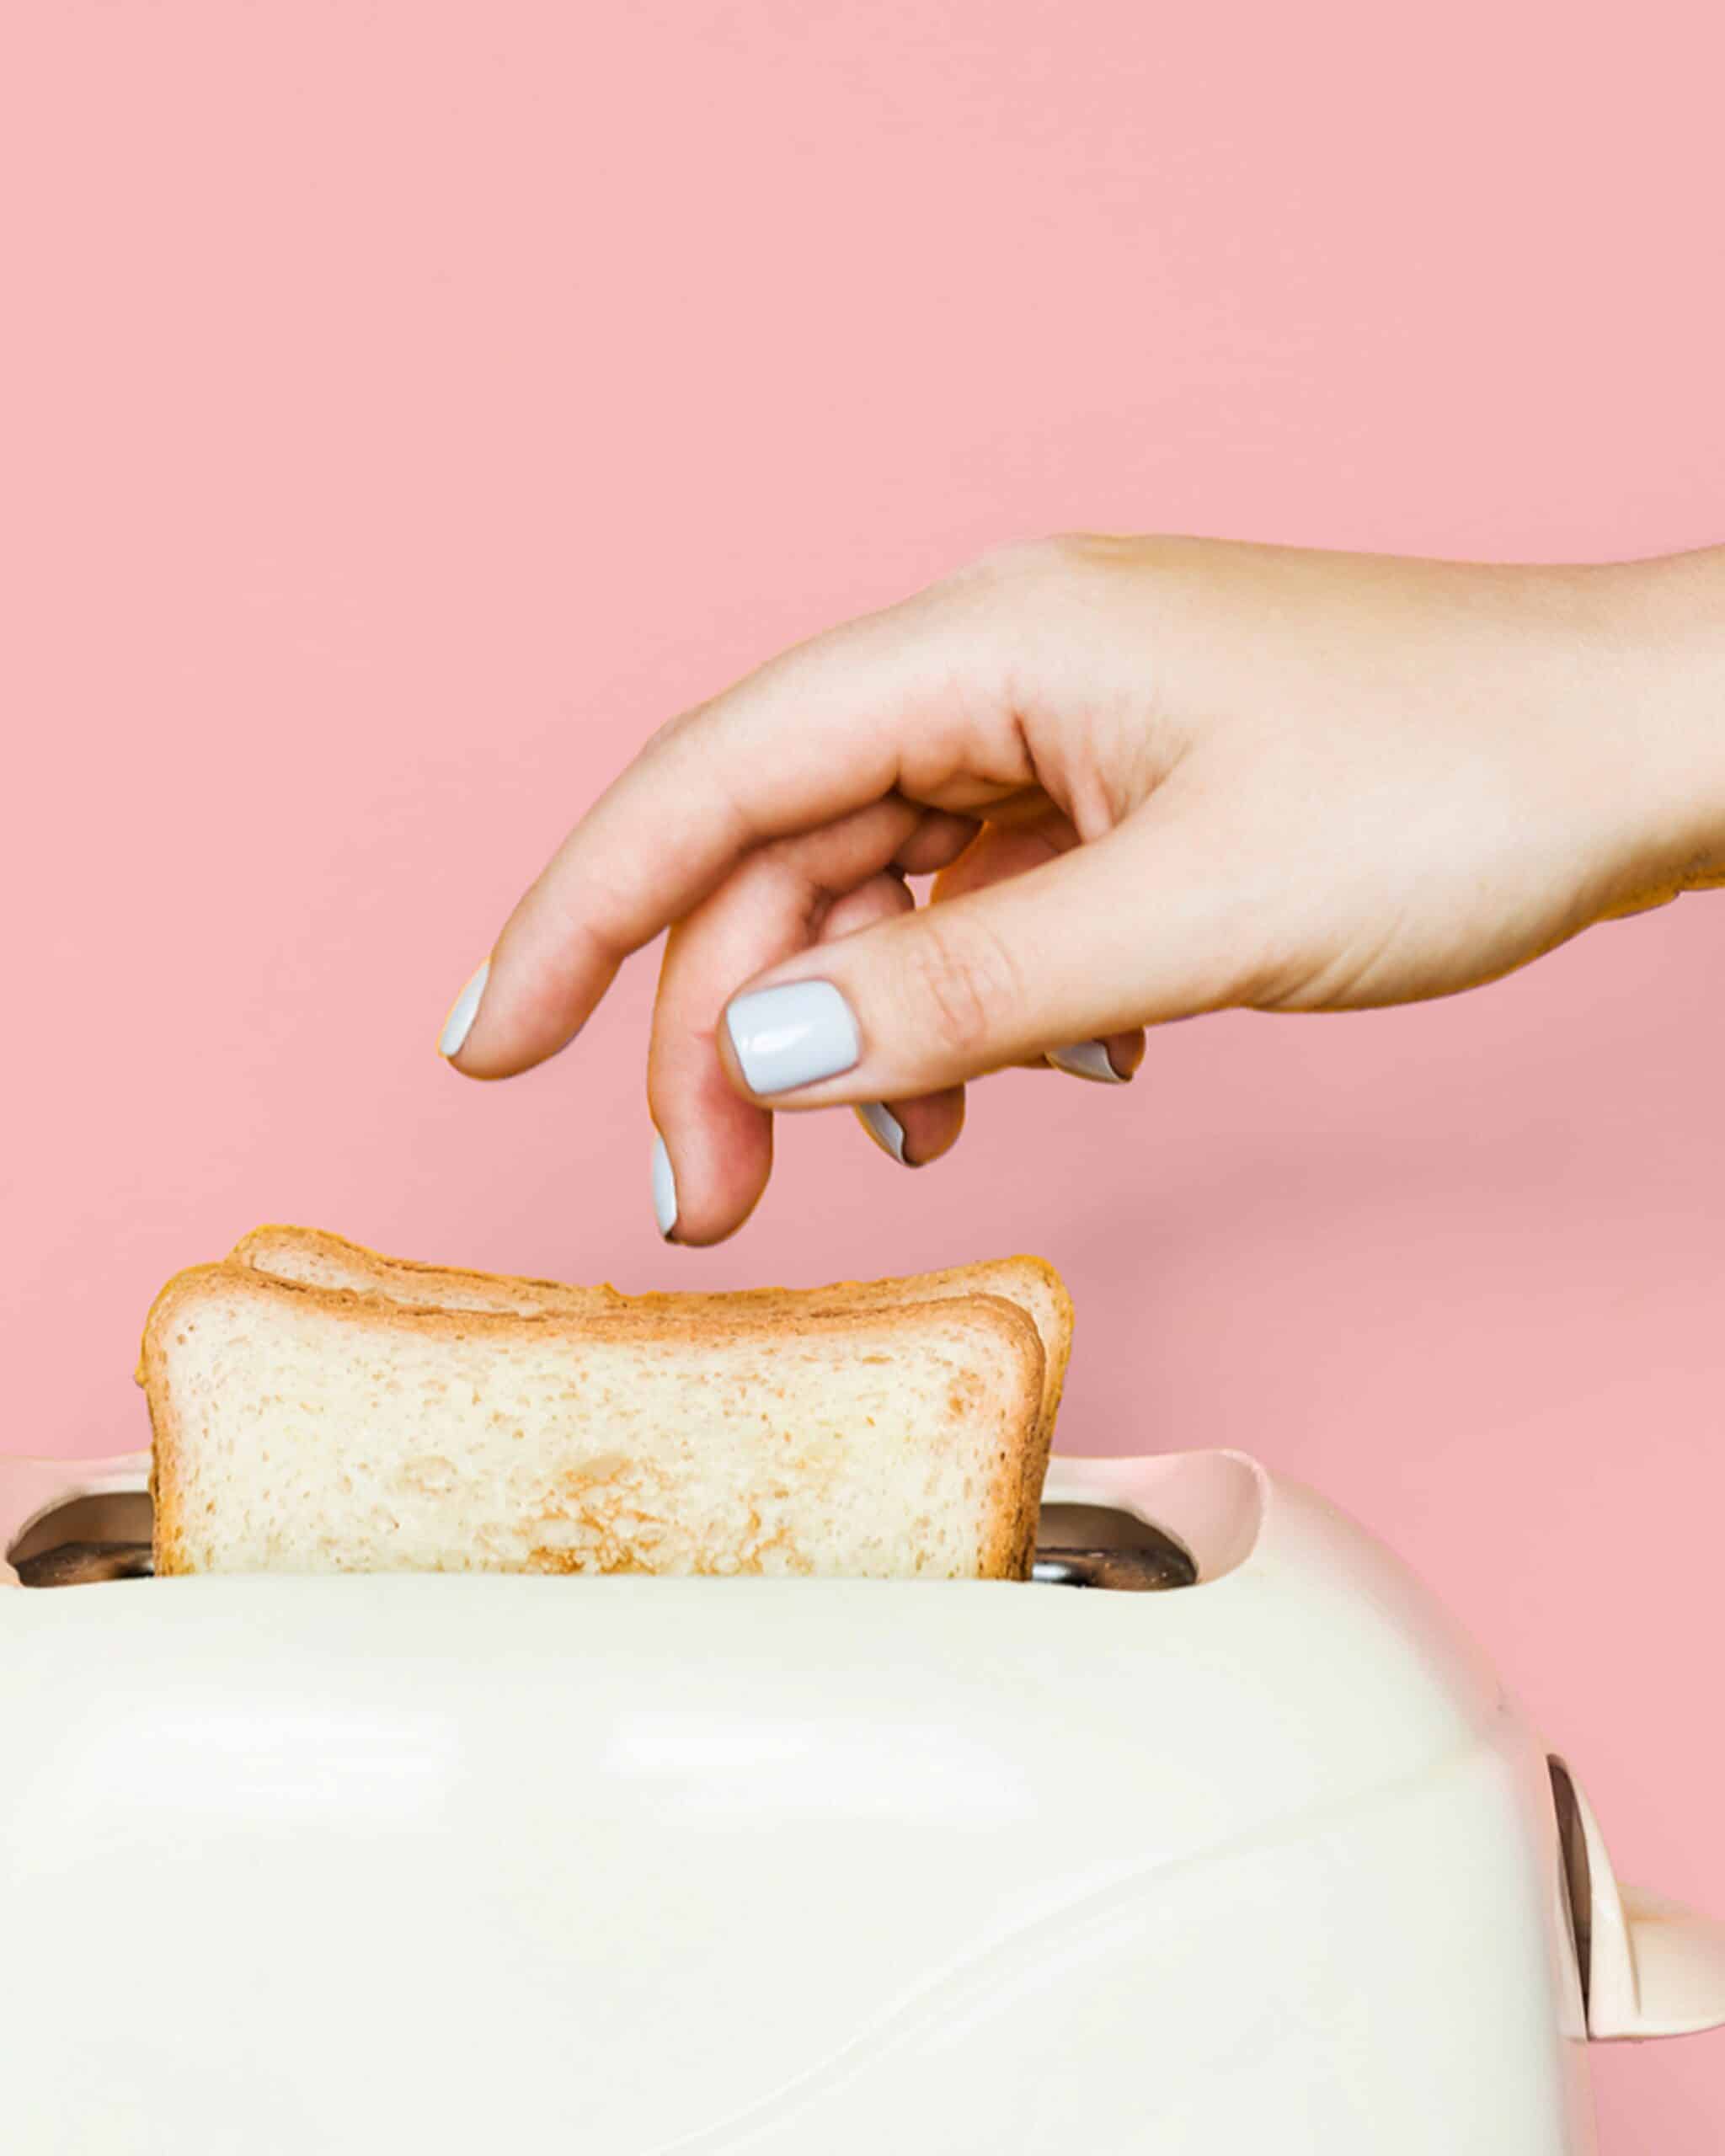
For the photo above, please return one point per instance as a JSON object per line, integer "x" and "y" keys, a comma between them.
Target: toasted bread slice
{"x": 309, "y": 1429}
{"x": 310, "y": 1256}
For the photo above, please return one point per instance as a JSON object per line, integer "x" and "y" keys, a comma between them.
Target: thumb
{"x": 1121, "y": 933}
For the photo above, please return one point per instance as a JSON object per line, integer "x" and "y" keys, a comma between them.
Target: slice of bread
{"x": 309, "y": 1429}
{"x": 317, "y": 1259}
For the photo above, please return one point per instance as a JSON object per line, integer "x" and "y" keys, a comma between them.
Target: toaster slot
{"x": 1578, "y": 1874}
{"x": 1099, "y": 1546}
{"x": 89, "y": 1539}
{"x": 85, "y": 1540}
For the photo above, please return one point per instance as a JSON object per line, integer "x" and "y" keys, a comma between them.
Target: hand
{"x": 1152, "y": 778}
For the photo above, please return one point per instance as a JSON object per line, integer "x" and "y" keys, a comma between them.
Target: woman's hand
{"x": 1153, "y": 778}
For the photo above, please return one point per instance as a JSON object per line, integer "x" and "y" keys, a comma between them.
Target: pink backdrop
{"x": 410, "y": 405}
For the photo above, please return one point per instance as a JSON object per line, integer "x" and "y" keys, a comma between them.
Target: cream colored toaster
{"x": 1216, "y": 1838}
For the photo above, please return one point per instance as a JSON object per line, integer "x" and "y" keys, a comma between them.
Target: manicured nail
{"x": 793, "y": 1035}
{"x": 665, "y": 1190}
{"x": 886, "y": 1130}
{"x": 459, "y": 1022}
{"x": 1085, "y": 1059}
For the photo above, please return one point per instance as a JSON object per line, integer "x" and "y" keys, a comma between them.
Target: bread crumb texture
{"x": 309, "y": 1428}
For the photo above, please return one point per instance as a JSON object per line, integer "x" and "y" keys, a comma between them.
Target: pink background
{"x": 410, "y": 405}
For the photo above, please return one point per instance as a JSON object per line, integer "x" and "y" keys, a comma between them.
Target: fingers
{"x": 1112, "y": 1060}
{"x": 826, "y": 894}
{"x": 1001, "y": 850}
{"x": 1132, "y": 928}
{"x": 939, "y": 842}
{"x": 718, "y": 1146}
{"x": 882, "y": 704}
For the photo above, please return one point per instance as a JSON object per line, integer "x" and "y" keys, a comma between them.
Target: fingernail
{"x": 665, "y": 1190}
{"x": 886, "y": 1130}
{"x": 793, "y": 1035}
{"x": 459, "y": 1022}
{"x": 1085, "y": 1059}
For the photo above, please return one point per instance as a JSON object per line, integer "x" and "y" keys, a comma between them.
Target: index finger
{"x": 886, "y": 703}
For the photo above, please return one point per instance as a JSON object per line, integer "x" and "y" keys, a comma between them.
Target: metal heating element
{"x": 1094, "y": 1545}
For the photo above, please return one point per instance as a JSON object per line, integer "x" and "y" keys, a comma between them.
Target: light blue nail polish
{"x": 884, "y": 1128}
{"x": 1085, "y": 1059}
{"x": 665, "y": 1189}
{"x": 793, "y": 1035}
{"x": 459, "y": 1022}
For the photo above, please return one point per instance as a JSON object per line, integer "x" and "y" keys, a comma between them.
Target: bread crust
{"x": 1001, "y": 1328}
{"x": 274, "y": 1245}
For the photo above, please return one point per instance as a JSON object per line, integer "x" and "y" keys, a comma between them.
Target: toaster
{"x": 1214, "y": 1836}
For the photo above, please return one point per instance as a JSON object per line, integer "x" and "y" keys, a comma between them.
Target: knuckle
{"x": 1030, "y": 581}
{"x": 686, "y": 738}
{"x": 965, "y": 981}
{"x": 1019, "y": 562}
{"x": 668, "y": 732}
{"x": 1074, "y": 550}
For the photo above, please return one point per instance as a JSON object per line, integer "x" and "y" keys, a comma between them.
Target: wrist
{"x": 1663, "y": 625}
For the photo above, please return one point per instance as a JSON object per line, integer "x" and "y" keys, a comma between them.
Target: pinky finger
{"x": 1112, "y": 1060}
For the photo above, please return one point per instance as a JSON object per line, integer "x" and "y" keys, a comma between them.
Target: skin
{"x": 1151, "y": 777}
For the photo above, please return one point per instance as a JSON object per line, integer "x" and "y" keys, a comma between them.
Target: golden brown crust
{"x": 1011, "y": 1529}
{"x": 257, "y": 1243}
{"x": 167, "y": 1533}
{"x": 948, "y": 1283}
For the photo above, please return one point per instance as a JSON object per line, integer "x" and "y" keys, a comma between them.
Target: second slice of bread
{"x": 306, "y": 1429}
{"x": 316, "y": 1258}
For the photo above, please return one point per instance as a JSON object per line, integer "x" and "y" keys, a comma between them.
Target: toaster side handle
{"x": 1650, "y": 1967}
